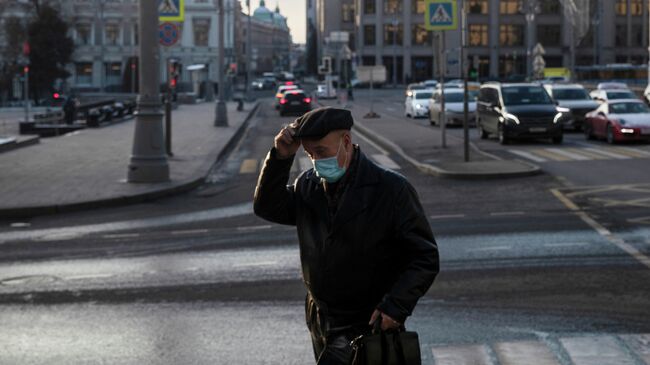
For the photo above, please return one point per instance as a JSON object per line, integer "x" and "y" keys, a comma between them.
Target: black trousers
{"x": 331, "y": 345}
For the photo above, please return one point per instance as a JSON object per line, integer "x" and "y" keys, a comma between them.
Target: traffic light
{"x": 174, "y": 73}
{"x": 473, "y": 73}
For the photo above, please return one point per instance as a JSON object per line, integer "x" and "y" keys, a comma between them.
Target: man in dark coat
{"x": 366, "y": 247}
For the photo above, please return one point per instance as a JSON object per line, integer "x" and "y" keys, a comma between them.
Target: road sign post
{"x": 441, "y": 15}
{"x": 371, "y": 74}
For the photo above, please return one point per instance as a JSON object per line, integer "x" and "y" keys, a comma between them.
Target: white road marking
{"x": 253, "y": 264}
{"x": 254, "y": 228}
{"x": 88, "y": 276}
{"x": 524, "y": 352}
{"x": 601, "y": 350}
{"x": 190, "y": 231}
{"x": 373, "y": 144}
{"x": 385, "y": 161}
{"x": 608, "y": 153}
{"x": 570, "y": 244}
{"x": 528, "y": 155}
{"x": 497, "y": 214}
{"x": 447, "y": 216}
{"x": 568, "y": 154}
{"x": 493, "y": 248}
{"x": 121, "y": 235}
{"x": 20, "y": 225}
{"x": 461, "y": 355}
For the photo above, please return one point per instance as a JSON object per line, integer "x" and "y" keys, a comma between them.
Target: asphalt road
{"x": 198, "y": 279}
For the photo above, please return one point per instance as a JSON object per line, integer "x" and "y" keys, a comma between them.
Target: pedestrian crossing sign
{"x": 441, "y": 15}
{"x": 171, "y": 10}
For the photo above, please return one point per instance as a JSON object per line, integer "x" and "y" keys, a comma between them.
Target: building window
{"x": 509, "y": 6}
{"x": 201, "y": 31}
{"x": 549, "y": 35}
{"x": 636, "y": 7}
{"x": 113, "y": 73}
{"x": 511, "y": 35}
{"x": 478, "y": 35}
{"x": 392, "y": 6}
{"x": 112, "y": 34}
{"x": 369, "y": 6}
{"x": 637, "y": 35}
{"x": 478, "y": 7}
{"x": 390, "y": 36}
{"x": 621, "y": 7}
{"x": 369, "y": 35}
{"x": 621, "y": 35}
{"x": 83, "y": 34}
{"x": 419, "y": 35}
{"x": 418, "y": 6}
{"x": 84, "y": 73}
{"x": 348, "y": 12}
{"x": 550, "y": 6}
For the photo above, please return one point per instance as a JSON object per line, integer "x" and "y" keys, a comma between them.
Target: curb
{"x": 437, "y": 171}
{"x": 136, "y": 198}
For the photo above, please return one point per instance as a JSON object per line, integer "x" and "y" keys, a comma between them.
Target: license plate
{"x": 295, "y": 103}
{"x": 645, "y": 130}
{"x": 537, "y": 130}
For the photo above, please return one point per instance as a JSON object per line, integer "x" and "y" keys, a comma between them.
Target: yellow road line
{"x": 249, "y": 166}
{"x": 551, "y": 155}
{"x": 606, "y": 233}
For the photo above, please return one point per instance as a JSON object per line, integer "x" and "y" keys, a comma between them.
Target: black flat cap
{"x": 319, "y": 122}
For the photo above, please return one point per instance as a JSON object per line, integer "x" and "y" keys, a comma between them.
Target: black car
{"x": 518, "y": 110}
{"x": 294, "y": 101}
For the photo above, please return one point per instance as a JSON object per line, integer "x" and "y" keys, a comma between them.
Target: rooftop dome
{"x": 279, "y": 19}
{"x": 263, "y": 13}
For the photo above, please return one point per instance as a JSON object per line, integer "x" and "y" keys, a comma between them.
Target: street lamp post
{"x": 221, "y": 118}
{"x": 148, "y": 162}
{"x": 395, "y": 46}
{"x": 531, "y": 9}
{"x": 249, "y": 58}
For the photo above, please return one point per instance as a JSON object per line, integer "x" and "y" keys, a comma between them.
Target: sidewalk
{"x": 420, "y": 145}
{"x": 88, "y": 169}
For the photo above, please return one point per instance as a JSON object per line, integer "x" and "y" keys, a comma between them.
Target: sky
{"x": 294, "y": 10}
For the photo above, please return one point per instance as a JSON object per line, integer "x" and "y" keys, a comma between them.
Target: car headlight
{"x": 627, "y": 130}
{"x": 561, "y": 109}
{"x": 557, "y": 117}
{"x": 511, "y": 118}
{"x": 418, "y": 106}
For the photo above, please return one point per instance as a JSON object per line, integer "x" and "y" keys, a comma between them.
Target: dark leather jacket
{"x": 377, "y": 252}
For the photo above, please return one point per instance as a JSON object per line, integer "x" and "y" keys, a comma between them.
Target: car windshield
{"x": 628, "y": 108}
{"x": 422, "y": 95}
{"x": 523, "y": 95}
{"x": 417, "y": 87}
{"x": 571, "y": 94}
{"x": 612, "y": 95}
{"x": 457, "y": 97}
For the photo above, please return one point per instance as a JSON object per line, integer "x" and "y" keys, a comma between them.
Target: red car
{"x": 619, "y": 121}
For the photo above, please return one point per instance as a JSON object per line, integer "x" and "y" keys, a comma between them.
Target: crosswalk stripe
{"x": 628, "y": 152}
{"x": 249, "y": 166}
{"x": 385, "y": 161}
{"x": 550, "y": 155}
{"x": 607, "y": 153}
{"x": 528, "y": 155}
{"x": 524, "y": 352}
{"x": 573, "y": 156}
{"x": 601, "y": 350}
{"x": 461, "y": 355}
{"x": 591, "y": 155}
{"x": 639, "y": 151}
{"x": 640, "y": 344}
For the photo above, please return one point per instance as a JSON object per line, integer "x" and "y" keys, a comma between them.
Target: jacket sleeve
{"x": 275, "y": 200}
{"x": 421, "y": 263}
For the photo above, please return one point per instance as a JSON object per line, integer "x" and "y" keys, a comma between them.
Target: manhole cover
{"x": 29, "y": 279}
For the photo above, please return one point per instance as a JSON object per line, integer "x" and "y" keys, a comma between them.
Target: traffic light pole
{"x": 148, "y": 162}
{"x": 463, "y": 70}
{"x": 26, "y": 71}
{"x": 221, "y": 118}
{"x": 168, "y": 122}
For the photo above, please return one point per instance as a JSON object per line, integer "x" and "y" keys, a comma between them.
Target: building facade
{"x": 500, "y": 34}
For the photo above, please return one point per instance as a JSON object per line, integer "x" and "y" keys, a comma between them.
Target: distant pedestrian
{"x": 366, "y": 247}
{"x": 350, "y": 93}
{"x": 70, "y": 109}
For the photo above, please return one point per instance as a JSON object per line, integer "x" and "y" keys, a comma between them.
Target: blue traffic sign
{"x": 168, "y": 34}
{"x": 171, "y": 10}
{"x": 441, "y": 15}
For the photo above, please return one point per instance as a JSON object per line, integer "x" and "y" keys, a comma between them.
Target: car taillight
{"x": 278, "y": 95}
{"x": 283, "y": 101}
{"x": 307, "y": 100}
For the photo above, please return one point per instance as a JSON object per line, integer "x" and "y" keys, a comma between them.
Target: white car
{"x": 417, "y": 104}
{"x": 454, "y": 106}
{"x": 322, "y": 92}
{"x": 612, "y": 94}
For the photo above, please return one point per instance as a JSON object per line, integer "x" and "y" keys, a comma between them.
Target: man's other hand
{"x": 285, "y": 145}
{"x": 387, "y": 323}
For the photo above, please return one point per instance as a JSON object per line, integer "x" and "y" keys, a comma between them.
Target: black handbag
{"x": 394, "y": 347}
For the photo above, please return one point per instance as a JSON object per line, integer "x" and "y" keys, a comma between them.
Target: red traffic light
{"x": 56, "y": 95}
{"x": 172, "y": 82}
{"x": 26, "y": 69}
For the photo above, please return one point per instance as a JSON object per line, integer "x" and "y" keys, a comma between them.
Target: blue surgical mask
{"x": 329, "y": 169}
